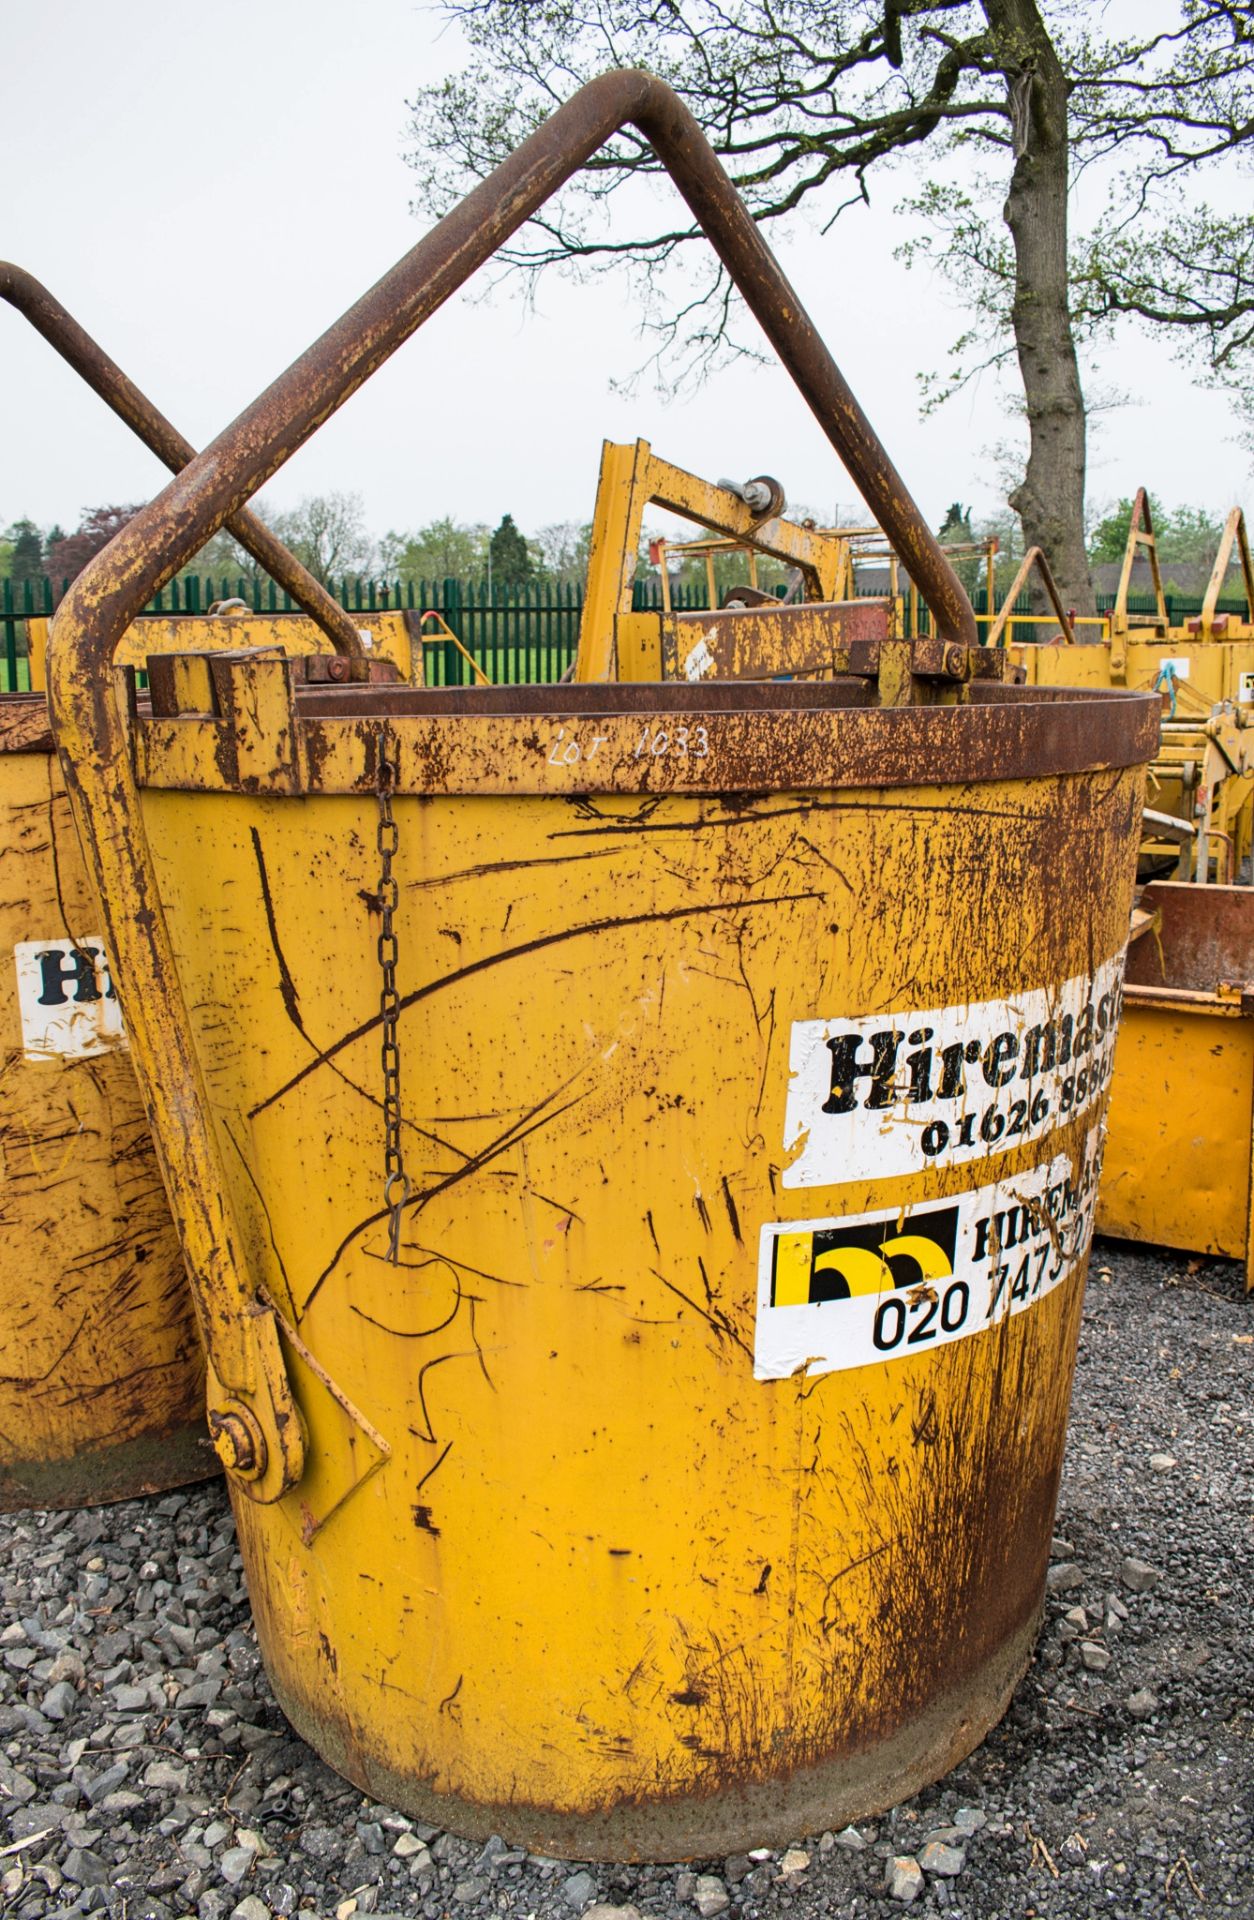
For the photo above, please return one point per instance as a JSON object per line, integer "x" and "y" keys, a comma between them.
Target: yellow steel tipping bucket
{"x": 709, "y": 1429}
{"x": 101, "y": 1373}
{"x": 644, "y": 1414}
{"x": 1178, "y": 1165}
{"x": 689, "y": 1480}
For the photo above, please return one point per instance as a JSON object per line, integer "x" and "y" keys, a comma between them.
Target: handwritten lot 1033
{"x": 852, "y": 1291}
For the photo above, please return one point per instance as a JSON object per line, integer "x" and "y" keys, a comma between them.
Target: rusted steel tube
{"x": 248, "y": 1384}
{"x": 161, "y": 539}
{"x": 63, "y": 332}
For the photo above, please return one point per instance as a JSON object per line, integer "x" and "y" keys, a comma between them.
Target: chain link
{"x": 395, "y": 1179}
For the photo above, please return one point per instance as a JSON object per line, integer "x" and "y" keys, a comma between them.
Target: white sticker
{"x": 872, "y": 1287}
{"x": 1245, "y": 686}
{"x": 890, "y": 1093}
{"x": 66, "y": 999}
{"x": 1177, "y": 665}
{"x": 699, "y": 661}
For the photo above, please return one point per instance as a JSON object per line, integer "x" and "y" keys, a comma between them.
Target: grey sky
{"x": 207, "y": 187}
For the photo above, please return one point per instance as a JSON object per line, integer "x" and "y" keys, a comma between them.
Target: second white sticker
{"x": 870, "y": 1287}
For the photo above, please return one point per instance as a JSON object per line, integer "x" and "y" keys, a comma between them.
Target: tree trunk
{"x": 1050, "y": 499}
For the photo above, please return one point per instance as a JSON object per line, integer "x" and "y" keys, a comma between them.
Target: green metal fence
{"x": 516, "y": 634}
{"x": 20, "y": 601}
{"x": 519, "y": 635}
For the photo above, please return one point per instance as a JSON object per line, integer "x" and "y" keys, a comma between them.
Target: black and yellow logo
{"x": 876, "y": 1256}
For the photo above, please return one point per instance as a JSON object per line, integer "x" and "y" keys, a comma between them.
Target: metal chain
{"x": 395, "y": 1179}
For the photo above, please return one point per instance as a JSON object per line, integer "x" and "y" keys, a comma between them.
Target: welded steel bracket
{"x": 633, "y": 478}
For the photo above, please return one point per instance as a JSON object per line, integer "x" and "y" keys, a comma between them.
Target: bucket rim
{"x": 840, "y": 694}
{"x": 267, "y": 734}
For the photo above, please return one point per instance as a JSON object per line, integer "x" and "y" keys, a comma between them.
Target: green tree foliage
{"x": 65, "y": 559}
{"x": 1184, "y": 535}
{"x": 809, "y": 101}
{"x": 26, "y": 551}
{"x": 1002, "y": 526}
{"x": 956, "y": 524}
{"x": 444, "y": 549}
{"x": 1109, "y": 536}
{"x": 1196, "y": 281}
{"x": 956, "y": 530}
{"x": 512, "y": 563}
{"x": 221, "y": 558}
{"x": 1190, "y": 535}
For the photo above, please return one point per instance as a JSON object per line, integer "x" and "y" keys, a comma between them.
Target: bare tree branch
{"x": 811, "y": 103}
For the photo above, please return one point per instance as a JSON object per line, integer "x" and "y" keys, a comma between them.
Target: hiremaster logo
{"x": 818, "y": 1264}
{"x": 886, "y": 1094}
{"x": 66, "y": 999}
{"x": 841, "y": 1293}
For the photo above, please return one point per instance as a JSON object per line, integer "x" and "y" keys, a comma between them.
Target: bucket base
{"x": 154, "y": 1463}
{"x": 727, "y": 1819}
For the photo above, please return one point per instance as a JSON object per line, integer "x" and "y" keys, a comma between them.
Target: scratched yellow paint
{"x": 1213, "y": 672}
{"x": 559, "y": 1566}
{"x": 1177, "y": 1169}
{"x": 101, "y": 1378}
{"x": 792, "y": 1269}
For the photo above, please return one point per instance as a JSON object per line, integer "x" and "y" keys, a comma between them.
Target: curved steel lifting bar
{"x": 163, "y": 537}
{"x": 251, "y": 1408}
{"x": 75, "y": 345}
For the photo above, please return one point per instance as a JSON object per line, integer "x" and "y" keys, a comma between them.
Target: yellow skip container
{"x": 1178, "y": 1167}
{"x": 101, "y": 1374}
{"x": 689, "y": 1480}
{"x": 102, "y": 1389}
{"x": 635, "y": 1149}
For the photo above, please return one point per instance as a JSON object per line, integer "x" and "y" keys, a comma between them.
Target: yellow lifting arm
{"x": 1140, "y": 534}
{"x": 1034, "y": 557}
{"x": 75, "y": 345}
{"x": 632, "y": 478}
{"x": 1234, "y": 534}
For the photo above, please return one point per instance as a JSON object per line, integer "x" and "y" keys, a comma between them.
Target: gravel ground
{"x": 146, "y": 1772}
